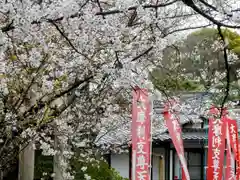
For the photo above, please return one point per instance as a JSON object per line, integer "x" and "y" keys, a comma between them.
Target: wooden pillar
{"x": 1, "y": 175}
{"x": 171, "y": 166}
{"x": 161, "y": 167}
{"x": 167, "y": 161}
{"x": 26, "y": 163}
{"x": 130, "y": 162}
{"x": 58, "y": 169}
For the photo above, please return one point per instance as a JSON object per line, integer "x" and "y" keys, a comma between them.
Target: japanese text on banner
{"x": 233, "y": 135}
{"x": 141, "y": 135}
{"x": 216, "y": 147}
{"x": 175, "y": 133}
{"x": 230, "y": 164}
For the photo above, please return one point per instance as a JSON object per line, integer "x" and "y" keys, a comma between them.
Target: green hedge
{"x": 97, "y": 170}
{"x": 79, "y": 166}
{"x": 43, "y": 164}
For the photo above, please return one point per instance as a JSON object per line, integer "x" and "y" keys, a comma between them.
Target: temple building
{"x": 165, "y": 162}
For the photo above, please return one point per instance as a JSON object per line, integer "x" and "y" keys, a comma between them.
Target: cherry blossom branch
{"x": 100, "y": 8}
{"x": 132, "y": 18}
{"x": 67, "y": 39}
{"x": 21, "y": 100}
{"x": 160, "y": 5}
{"x": 42, "y": 104}
{"x": 165, "y": 34}
{"x": 215, "y": 9}
{"x": 142, "y": 54}
{"x": 191, "y": 4}
{"x": 10, "y": 25}
{"x": 118, "y": 63}
{"x": 154, "y": 6}
{"x": 208, "y": 5}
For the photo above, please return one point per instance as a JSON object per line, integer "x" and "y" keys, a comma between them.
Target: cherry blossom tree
{"x": 68, "y": 67}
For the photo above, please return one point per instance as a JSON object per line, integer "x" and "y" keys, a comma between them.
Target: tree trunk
{"x": 26, "y": 163}
{"x": 58, "y": 158}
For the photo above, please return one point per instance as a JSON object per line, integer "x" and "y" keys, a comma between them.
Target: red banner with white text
{"x": 238, "y": 170}
{"x": 174, "y": 129}
{"x": 233, "y": 137}
{"x": 230, "y": 160}
{"x": 216, "y": 145}
{"x": 141, "y": 137}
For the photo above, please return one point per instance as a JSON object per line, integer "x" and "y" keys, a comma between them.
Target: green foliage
{"x": 232, "y": 37}
{"x": 234, "y": 92}
{"x": 58, "y": 82}
{"x": 43, "y": 164}
{"x": 98, "y": 170}
{"x": 236, "y": 50}
{"x": 13, "y": 58}
{"x": 167, "y": 82}
{"x": 205, "y": 32}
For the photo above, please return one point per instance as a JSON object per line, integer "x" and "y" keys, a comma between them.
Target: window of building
{"x": 194, "y": 163}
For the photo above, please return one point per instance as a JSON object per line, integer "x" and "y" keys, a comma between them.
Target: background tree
{"x": 197, "y": 63}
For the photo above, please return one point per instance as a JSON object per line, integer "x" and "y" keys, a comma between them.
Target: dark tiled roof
{"x": 185, "y": 136}
{"x": 120, "y": 134}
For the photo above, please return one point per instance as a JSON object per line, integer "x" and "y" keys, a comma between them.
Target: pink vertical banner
{"x": 175, "y": 131}
{"x": 183, "y": 174}
{"x": 141, "y": 138}
{"x": 233, "y": 139}
{"x": 233, "y": 135}
{"x": 238, "y": 170}
{"x": 216, "y": 145}
{"x": 230, "y": 161}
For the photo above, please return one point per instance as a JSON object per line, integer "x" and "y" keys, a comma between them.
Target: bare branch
{"x": 41, "y": 104}
{"x": 8, "y": 27}
{"x": 208, "y": 5}
{"x": 134, "y": 8}
{"x": 67, "y": 39}
{"x": 142, "y": 54}
{"x": 100, "y": 8}
{"x": 227, "y": 70}
{"x": 20, "y": 101}
{"x": 191, "y": 4}
{"x": 185, "y": 29}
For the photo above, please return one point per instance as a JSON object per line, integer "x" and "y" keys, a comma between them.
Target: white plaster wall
{"x": 120, "y": 162}
{"x": 157, "y": 152}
